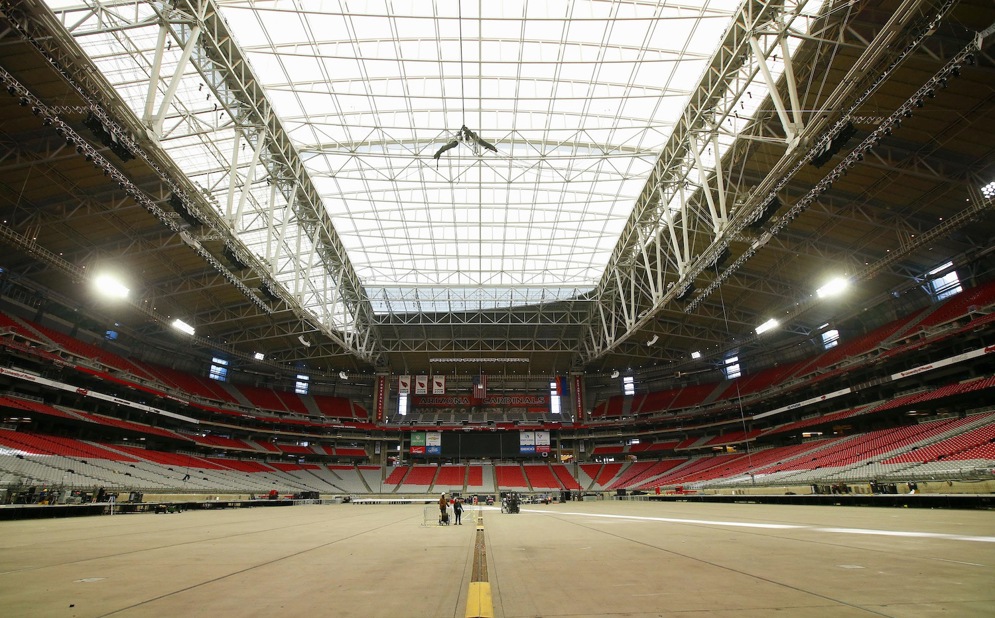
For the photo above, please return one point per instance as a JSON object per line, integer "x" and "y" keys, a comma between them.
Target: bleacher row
{"x": 965, "y": 311}
{"x": 739, "y": 437}
{"x": 217, "y": 442}
{"x": 222, "y": 397}
{"x": 937, "y": 449}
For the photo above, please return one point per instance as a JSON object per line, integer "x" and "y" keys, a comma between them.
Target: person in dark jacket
{"x": 458, "y": 510}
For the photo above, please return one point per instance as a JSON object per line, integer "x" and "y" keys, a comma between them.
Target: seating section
{"x": 42, "y": 444}
{"x": 222, "y": 442}
{"x": 541, "y": 477}
{"x": 29, "y": 405}
{"x": 419, "y": 478}
{"x": 566, "y": 479}
{"x": 510, "y": 478}
{"x": 451, "y": 478}
{"x": 640, "y": 472}
{"x": 89, "y": 351}
{"x": 606, "y": 474}
{"x": 972, "y": 444}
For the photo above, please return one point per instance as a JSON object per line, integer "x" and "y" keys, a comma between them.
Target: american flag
{"x": 480, "y": 387}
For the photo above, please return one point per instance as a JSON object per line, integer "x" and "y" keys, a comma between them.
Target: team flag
{"x": 480, "y": 387}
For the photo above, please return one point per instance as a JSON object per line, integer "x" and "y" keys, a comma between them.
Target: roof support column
{"x": 174, "y": 83}
{"x": 791, "y": 129}
{"x": 718, "y": 221}
{"x": 250, "y": 175}
{"x": 160, "y": 47}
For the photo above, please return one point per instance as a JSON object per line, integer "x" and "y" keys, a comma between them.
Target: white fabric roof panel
{"x": 578, "y": 97}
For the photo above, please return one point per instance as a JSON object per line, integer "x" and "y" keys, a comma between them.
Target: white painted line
{"x": 737, "y": 524}
{"x": 744, "y": 524}
{"x": 907, "y": 534}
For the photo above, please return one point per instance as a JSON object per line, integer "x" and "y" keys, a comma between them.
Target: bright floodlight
{"x": 695, "y": 355}
{"x": 988, "y": 190}
{"x": 110, "y": 287}
{"x": 766, "y": 326}
{"x": 259, "y": 356}
{"x": 182, "y": 326}
{"x": 832, "y": 287}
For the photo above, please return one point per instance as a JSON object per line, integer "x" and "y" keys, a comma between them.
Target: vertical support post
{"x": 160, "y": 49}
{"x": 174, "y": 83}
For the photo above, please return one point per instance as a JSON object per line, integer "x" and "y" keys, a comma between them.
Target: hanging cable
{"x": 739, "y": 397}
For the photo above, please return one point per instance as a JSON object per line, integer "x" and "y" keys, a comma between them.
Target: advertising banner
{"x": 527, "y": 442}
{"x": 433, "y": 443}
{"x": 418, "y": 443}
{"x": 542, "y": 442}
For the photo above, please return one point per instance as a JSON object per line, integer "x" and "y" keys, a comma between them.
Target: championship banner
{"x": 578, "y": 395}
{"x": 433, "y": 443}
{"x": 381, "y": 397}
{"x": 526, "y": 442}
{"x": 421, "y": 385}
{"x": 418, "y": 443}
{"x": 403, "y": 385}
{"x": 438, "y": 385}
{"x": 542, "y": 441}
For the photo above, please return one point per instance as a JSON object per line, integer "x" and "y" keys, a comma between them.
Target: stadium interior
{"x": 242, "y": 256}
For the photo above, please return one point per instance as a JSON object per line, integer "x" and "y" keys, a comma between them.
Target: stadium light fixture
{"x": 259, "y": 356}
{"x": 110, "y": 286}
{"x": 988, "y": 191}
{"x": 695, "y": 355}
{"x": 182, "y": 326}
{"x": 768, "y": 325}
{"x": 833, "y": 287}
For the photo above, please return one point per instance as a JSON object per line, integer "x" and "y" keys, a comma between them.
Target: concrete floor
{"x": 574, "y": 559}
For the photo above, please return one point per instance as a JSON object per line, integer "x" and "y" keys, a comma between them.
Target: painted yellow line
{"x": 478, "y": 601}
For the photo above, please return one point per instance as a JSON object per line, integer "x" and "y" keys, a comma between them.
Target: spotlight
{"x": 182, "y": 326}
{"x": 930, "y": 93}
{"x": 11, "y": 90}
{"x": 24, "y": 101}
{"x": 907, "y": 113}
{"x": 919, "y": 103}
{"x": 766, "y": 326}
{"x": 969, "y": 59}
{"x": 955, "y": 71}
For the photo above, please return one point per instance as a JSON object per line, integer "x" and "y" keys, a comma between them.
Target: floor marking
{"x": 739, "y": 524}
{"x": 742, "y": 524}
{"x": 959, "y": 562}
{"x": 914, "y": 535}
{"x": 479, "y": 601}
